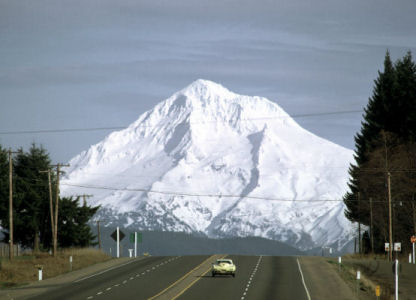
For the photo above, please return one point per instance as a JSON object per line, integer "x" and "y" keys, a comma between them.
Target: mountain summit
{"x": 212, "y": 162}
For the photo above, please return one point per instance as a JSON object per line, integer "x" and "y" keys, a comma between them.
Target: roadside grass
{"x": 366, "y": 286}
{"x": 24, "y": 269}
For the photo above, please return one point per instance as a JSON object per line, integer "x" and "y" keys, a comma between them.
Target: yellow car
{"x": 223, "y": 267}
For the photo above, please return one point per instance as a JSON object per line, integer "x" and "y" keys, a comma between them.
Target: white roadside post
{"x": 70, "y": 263}
{"x": 40, "y": 269}
{"x": 413, "y": 253}
{"x": 339, "y": 263}
{"x": 397, "y": 279}
{"x": 135, "y": 244}
{"x": 397, "y": 248}
{"x": 358, "y": 281}
{"x": 130, "y": 253}
{"x": 118, "y": 242}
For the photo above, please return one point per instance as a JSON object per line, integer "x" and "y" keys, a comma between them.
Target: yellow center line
{"x": 180, "y": 279}
{"x": 193, "y": 282}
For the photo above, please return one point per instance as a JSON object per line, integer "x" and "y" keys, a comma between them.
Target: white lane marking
{"x": 125, "y": 281}
{"x": 107, "y": 289}
{"x": 90, "y": 297}
{"x": 303, "y": 280}
{"x": 99, "y": 293}
{"x": 251, "y": 278}
{"x": 107, "y": 270}
{"x": 118, "y": 284}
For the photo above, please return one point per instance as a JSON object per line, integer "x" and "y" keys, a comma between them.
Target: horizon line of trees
{"x": 31, "y": 204}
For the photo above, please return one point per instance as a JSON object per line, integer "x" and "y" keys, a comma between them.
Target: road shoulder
{"x": 323, "y": 281}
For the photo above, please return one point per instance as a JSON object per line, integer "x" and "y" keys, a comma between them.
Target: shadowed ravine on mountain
{"x": 214, "y": 229}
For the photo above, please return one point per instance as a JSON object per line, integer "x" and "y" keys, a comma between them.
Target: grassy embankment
{"x": 375, "y": 270}
{"x": 24, "y": 269}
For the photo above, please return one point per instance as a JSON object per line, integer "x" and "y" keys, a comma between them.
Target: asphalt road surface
{"x": 189, "y": 277}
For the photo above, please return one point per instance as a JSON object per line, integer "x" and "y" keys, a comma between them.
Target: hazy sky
{"x": 102, "y": 63}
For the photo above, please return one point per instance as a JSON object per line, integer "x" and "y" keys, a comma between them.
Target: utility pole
{"x": 371, "y": 225}
{"x": 389, "y": 198}
{"x": 11, "y": 204}
{"x": 390, "y": 218}
{"x": 85, "y": 196}
{"x": 55, "y": 238}
{"x": 50, "y": 203}
{"x": 98, "y": 232}
{"x": 414, "y": 214}
{"x": 359, "y": 224}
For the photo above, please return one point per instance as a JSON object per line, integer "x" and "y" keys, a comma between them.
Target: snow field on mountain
{"x": 210, "y": 161}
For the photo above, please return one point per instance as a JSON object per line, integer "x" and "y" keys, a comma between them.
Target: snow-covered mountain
{"x": 212, "y": 162}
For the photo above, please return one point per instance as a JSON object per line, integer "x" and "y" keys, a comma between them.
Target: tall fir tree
{"x": 389, "y": 122}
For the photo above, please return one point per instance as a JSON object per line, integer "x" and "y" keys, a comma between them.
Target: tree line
{"x": 385, "y": 160}
{"x": 31, "y": 204}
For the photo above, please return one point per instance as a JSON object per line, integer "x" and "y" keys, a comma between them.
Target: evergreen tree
{"x": 388, "y": 128}
{"x": 31, "y": 205}
{"x": 73, "y": 229}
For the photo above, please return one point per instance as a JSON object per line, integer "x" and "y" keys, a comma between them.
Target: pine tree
{"x": 388, "y": 128}
{"x": 31, "y": 223}
{"x": 30, "y": 199}
{"x": 73, "y": 223}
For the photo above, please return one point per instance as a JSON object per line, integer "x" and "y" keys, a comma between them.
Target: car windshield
{"x": 223, "y": 262}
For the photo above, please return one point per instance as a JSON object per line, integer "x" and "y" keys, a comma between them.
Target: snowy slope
{"x": 213, "y": 162}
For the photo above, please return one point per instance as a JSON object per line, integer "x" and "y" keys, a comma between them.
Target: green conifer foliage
{"x": 31, "y": 204}
{"x": 385, "y": 143}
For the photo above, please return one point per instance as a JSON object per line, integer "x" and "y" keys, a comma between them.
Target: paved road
{"x": 257, "y": 278}
{"x": 138, "y": 280}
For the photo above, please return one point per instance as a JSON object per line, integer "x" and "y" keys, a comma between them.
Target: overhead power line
{"x": 187, "y": 194}
{"x": 86, "y": 129}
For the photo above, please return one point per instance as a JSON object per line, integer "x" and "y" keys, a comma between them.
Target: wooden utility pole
{"x": 414, "y": 215}
{"x": 55, "y": 238}
{"x": 390, "y": 218}
{"x": 371, "y": 225}
{"x": 50, "y": 203}
{"x": 359, "y": 224}
{"x": 98, "y": 232}
{"x": 85, "y": 196}
{"x": 389, "y": 198}
{"x": 11, "y": 252}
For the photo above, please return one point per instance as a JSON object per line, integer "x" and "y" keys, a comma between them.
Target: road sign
{"x": 413, "y": 239}
{"x": 114, "y": 235}
{"x": 387, "y": 247}
{"x": 139, "y": 237}
{"x": 398, "y": 247}
{"x": 378, "y": 291}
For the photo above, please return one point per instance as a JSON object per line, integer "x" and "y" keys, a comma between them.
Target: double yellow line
{"x": 183, "y": 277}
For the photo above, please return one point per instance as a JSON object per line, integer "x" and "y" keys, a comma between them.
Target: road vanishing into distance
{"x": 189, "y": 277}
